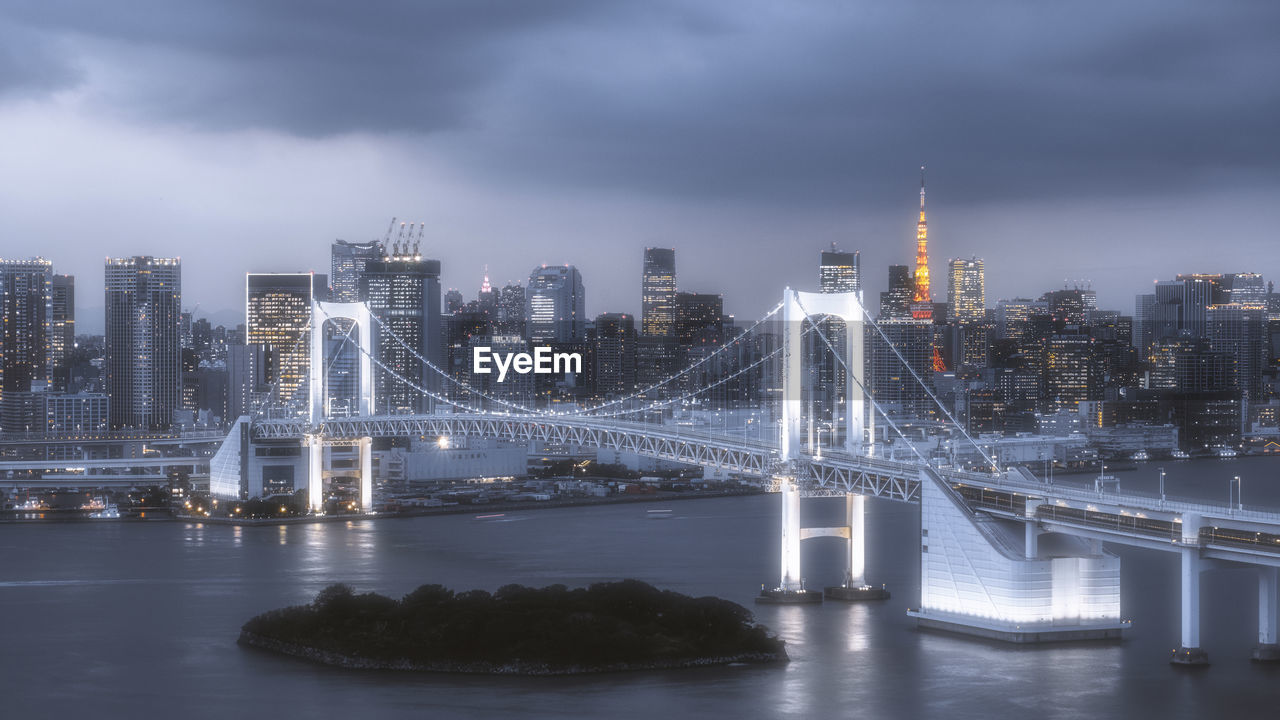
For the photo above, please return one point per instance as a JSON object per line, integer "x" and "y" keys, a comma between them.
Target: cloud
{"x": 816, "y": 103}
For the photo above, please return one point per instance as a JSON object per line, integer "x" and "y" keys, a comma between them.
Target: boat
{"x": 658, "y": 514}
{"x": 1225, "y": 452}
{"x": 110, "y": 512}
{"x": 1181, "y": 455}
{"x": 1141, "y": 456}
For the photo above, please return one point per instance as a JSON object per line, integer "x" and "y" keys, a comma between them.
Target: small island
{"x": 518, "y": 630}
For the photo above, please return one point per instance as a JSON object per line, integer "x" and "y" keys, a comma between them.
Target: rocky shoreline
{"x": 351, "y": 662}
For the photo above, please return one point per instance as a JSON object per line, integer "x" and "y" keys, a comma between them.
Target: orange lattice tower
{"x": 922, "y": 296}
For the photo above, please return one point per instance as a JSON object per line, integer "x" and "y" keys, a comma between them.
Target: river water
{"x": 116, "y": 619}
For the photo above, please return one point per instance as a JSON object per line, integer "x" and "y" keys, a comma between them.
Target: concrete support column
{"x": 1267, "y": 650}
{"x": 791, "y": 578}
{"x": 854, "y": 509}
{"x": 792, "y": 369}
{"x": 366, "y": 474}
{"x": 1032, "y": 544}
{"x": 1190, "y": 653}
{"x": 315, "y": 472}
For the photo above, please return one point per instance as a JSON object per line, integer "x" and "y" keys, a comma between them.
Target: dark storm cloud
{"x": 824, "y": 103}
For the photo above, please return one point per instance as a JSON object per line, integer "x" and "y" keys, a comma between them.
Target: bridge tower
{"x": 315, "y": 440}
{"x": 859, "y": 439}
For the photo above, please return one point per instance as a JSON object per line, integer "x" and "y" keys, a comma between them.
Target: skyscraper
{"x": 143, "y": 366}
{"x": 403, "y": 292}
{"x": 699, "y": 319}
{"x": 278, "y": 318}
{"x": 1241, "y": 331}
{"x": 840, "y": 271}
{"x": 966, "y": 290}
{"x": 555, "y": 305}
{"x": 510, "y": 318}
{"x": 658, "y": 293}
{"x": 346, "y": 267}
{"x": 896, "y": 302}
{"x": 614, "y": 352}
{"x": 62, "y": 327}
{"x": 922, "y": 301}
{"x": 1144, "y": 306}
{"x": 26, "y": 313}
{"x": 1245, "y": 289}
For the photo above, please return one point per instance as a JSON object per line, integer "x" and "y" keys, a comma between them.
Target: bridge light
{"x": 442, "y": 442}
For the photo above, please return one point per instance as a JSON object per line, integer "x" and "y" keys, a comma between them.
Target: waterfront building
{"x": 62, "y": 327}
{"x": 26, "y": 313}
{"x": 403, "y": 292}
{"x": 143, "y": 363}
{"x": 278, "y": 318}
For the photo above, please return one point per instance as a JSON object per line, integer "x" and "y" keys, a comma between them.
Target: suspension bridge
{"x": 1003, "y": 554}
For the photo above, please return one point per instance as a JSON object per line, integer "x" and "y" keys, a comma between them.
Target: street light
{"x": 1162, "y": 487}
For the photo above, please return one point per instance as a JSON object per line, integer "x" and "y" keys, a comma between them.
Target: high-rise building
{"x": 966, "y": 290}
{"x": 346, "y": 267}
{"x": 247, "y": 381}
{"x": 62, "y": 327}
{"x": 1071, "y": 371}
{"x": 613, "y": 347}
{"x": 453, "y": 301}
{"x": 922, "y": 300}
{"x": 1245, "y": 289}
{"x": 510, "y": 315}
{"x": 1144, "y": 306}
{"x": 967, "y": 308}
{"x": 26, "y": 359}
{"x": 895, "y": 303}
{"x": 555, "y": 305}
{"x": 892, "y": 382}
{"x": 658, "y": 293}
{"x": 840, "y": 271}
{"x": 699, "y": 319}
{"x": 143, "y": 365}
{"x": 403, "y": 292}
{"x": 1241, "y": 331}
{"x": 1067, "y": 306}
{"x": 278, "y": 318}
{"x": 1013, "y": 317}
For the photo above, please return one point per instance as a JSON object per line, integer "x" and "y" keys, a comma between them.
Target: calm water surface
{"x": 117, "y": 619}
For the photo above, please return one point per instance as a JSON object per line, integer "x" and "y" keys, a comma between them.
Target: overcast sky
{"x": 1117, "y": 142}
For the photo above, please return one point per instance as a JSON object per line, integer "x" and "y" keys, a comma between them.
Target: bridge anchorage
{"x": 1002, "y": 554}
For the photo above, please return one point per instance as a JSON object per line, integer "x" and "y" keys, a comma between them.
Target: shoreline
{"x": 499, "y": 507}
{"x": 515, "y": 668}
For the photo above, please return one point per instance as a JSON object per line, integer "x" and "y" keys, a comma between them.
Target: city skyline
{"x": 1043, "y": 160}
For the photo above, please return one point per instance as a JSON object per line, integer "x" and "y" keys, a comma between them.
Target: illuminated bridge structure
{"x": 1003, "y": 554}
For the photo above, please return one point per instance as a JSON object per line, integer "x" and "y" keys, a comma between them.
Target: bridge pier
{"x": 366, "y": 474}
{"x": 1267, "y": 649}
{"x": 791, "y": 584}
{"x": 1190, "y": 653}
{"x": 855, "y": 581}
{"x": 315, "y": 472}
